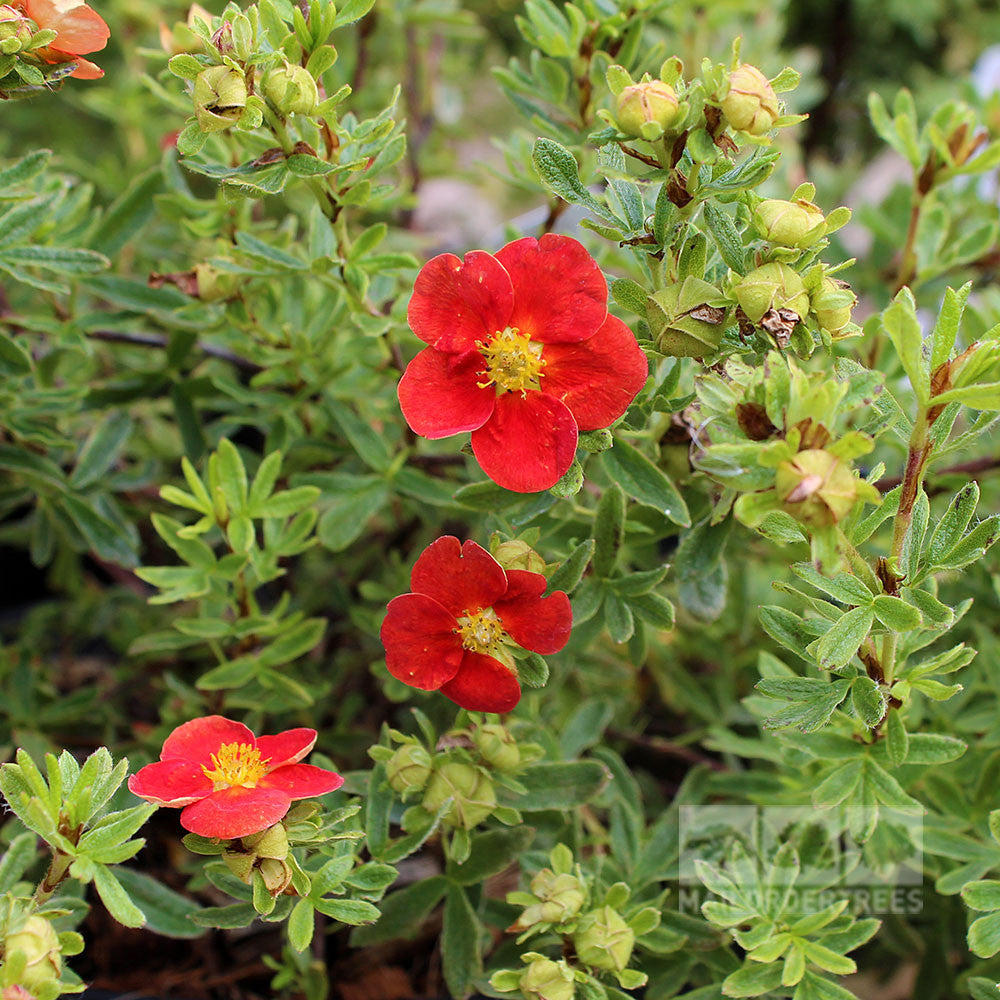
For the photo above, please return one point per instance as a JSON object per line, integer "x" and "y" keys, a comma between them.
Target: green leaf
{"x": 948, "y": 323}
{"x": 491, "y": 853}
{"x": 167, "y": 912}
{"x": 116, "y": 899}
{"x": 838, "y": 646}
{"x": 753, "y": 980}
{"x": 904, "y": 330}
{"x": 301, "y": 924}
{"x": 403, "y": 912}
{"x": 643, "y": 481}
{"x": 101, "y": 450}
{"x": 984, "y": 895}
{"x": 459, "y": 943}
{"x": 868, "y": 700}
{"x": 898, "y": 739}
{"x": 558, "y": 169}
{"x": 348, "y": 911}
{"x": 984, "y": 936}
{"x": 727, "y": 238}
{"x": 557, "y": 786}
{"x": 895, "y": 614}
{"x": 570, "y": 572}
{"x": 14, "y": 359}
{"x": 19, "y": 856}
{"x": 346, "y": 518}
{"x": 609, "y": 529}
{"x": 129, "y": 212}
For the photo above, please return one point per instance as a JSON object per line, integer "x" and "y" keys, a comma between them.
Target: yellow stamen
{"x": 513, "y": 362}
{"x": 236, "y": 765}
{"x": 481, "y": 631}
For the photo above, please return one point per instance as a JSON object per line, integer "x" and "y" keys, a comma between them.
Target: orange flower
{"x": 78, "y": 29}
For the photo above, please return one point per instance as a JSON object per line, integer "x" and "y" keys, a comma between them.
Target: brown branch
{"x": 157, "y": 340}
{"x": 976, "y": 465}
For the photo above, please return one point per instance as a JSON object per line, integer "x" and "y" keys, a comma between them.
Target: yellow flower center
{"x": 482, "y": 631}
{"x": 513, "y": 362}
{"x": 236, "y": 765}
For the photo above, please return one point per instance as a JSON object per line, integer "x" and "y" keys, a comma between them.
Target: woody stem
{"x": 58, "y": 870}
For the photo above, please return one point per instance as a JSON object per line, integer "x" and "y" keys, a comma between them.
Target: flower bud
{"x": 408, "y": 768}
{"x": 16, "y": 992}
{"x": 14, "y": 27}
{"x": 644, "y": 110}
{"x": 795, "y": 224}
{"x": 269, "y": 843}
{"x": 603, "y": 940}
{"x": 291, "y": 89}
{"x": 497, "y": 746}
{"x": 544, "y": 979}
{"x": 817, "y": 488}
{"x": 471, "y": 789}
{"x": 681, "y": 321}
{"x": 571, "y": 482}
{"x": 223, "y": 39}
{"x": 213, "y": 284}
{"x": 750, "y": 104}
{"x": 562, "y": 896}
{"x": 516, "y": 554}
{"x": 38, "y": 941}
{"x": 832, "y": 304}
{"x": 220, "y": 95}
{"x": 269, "y": 847}
{"x": 773, "y": 286}
{"x": 277, "y": 875}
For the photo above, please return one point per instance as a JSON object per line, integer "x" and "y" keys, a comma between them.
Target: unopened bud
{"x": 544, "y": 979}
{"x": 223, "y": 39}
{"x": 773, "y": 286}
{"x": 750, "y": 105}
{"x": 220, "y": 95}
{"x": 603, "y": 940}
{"x": 681, "y": 320}
{"x": 515, "y": 554}
{"x": 497, "y": 746}
{"x": 645, "y": 110}
{"x": 471, "y": 789}
{"x": 291, "y": 89}
{"x": 570, "y": 483}
{"x": 408, "y": 768}
{"x": 213, "y": 284}
{"x": 562, "y": 896}
{"x": 789, "y": 223}
{"x": 38, "y": 941}
{"x": 819, "y": 489}
{"x": 15, "y": 29}
{"x": 832, "y": 304}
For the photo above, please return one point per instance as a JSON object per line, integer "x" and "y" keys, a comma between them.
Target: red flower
{"x": 453, "y": 633}
{"x": 231, "y": 783}
{"x": 522, "y": 353}
{"x": 78, "y": 30}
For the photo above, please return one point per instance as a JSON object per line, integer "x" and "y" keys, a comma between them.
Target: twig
{"x": 160, "y": 341}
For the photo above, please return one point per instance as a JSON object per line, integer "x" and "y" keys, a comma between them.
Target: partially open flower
{"x": 750, "y": 104}
{"x": 470, "y": 788}
{"x": 604, "y": 940}
{"x": 522, "y": 352}
{"x": 38, "y": 941}
{"x": 229, "y": 782}
{"x": 454, "y": 631}
{"x": 291, "y": 89}
{"x": 220, "y": 95}
{"x": 79, "y": 30}
{"x": 775, "y": 287}
{"x": 645, "y": 110}
{"x": 796, "y": 223}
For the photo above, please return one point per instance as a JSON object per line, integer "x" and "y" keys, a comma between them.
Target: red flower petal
{"x": 236, "y": 812}
{"x": 560, "y": 294}
{"x": 456, "y": 303}
{"x": 541, "y": 624}
{"x": 421, "y": 648}
{"x": 528, "y": 443}
{"x": 86, "y": 70}
{"x": 79, "y": 28}
{"x": 288, "y": 747}
{"x": 198, "y": 739}
{"x": 483, "y": 685}
{"x": 459, "y": 577}
{"x": 302, "y": 781}
{"x": 596, "y": 378}
{"x": 440, "y": 396}
{"x": 170, "y": 783}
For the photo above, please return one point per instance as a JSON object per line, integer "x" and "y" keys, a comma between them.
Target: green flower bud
{"x": 682, "y": 322}
{"x": 270, "y": 846}
{"x": 472, "y": 790}
{"x": 214, "y": 285}
{"x": 571, "y": 482}
{"x": 269, "y": 843}
{"x": 562, "y": 896}
{"x": 516, "y": 554}
{"x": 817, "y": 488}
{"x": 789, "y": 223}
{"x": 291, "y": 89}
{"x": 644, "y": 110}
{"x": 832, "y": 304}
{"x": 544, "y": 979}
{"x": 603, "y": 940}
{"x": 773, "y": 286}
{"x": 38, "y": 941}
{"x": 497, "y": 746}
{"x": 409, "y": 768}
{"x": 14, "y": 28}
{"x": 750, "y": 104}
{"x": 220, "y": 95}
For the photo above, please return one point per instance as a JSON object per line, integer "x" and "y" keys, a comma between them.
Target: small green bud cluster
{"x": 32, "y": 951}
{"x": 517, "y": 553}
{"x": 556, "y": 897}
{"x": 647, "y": 108}
{"x": 750, "y": 104}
